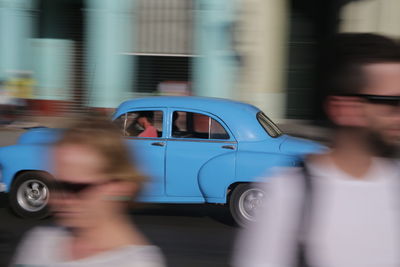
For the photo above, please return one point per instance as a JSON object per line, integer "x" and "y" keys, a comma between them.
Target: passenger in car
{"x": 175, "y": 128}
{"x": 145, "y": 120}
{"x": 176, "y": 131}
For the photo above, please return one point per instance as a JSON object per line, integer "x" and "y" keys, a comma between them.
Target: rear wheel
{"x": 244, "y": 202}
{"x": 30, "y": 193}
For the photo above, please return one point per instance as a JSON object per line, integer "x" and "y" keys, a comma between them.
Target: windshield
{"x": 268, "y": 125}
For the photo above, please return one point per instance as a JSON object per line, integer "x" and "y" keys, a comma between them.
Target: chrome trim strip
{"x": 202, "y": 140}
{"x": 180, "y": 139}
{"x": 146, "y": 138}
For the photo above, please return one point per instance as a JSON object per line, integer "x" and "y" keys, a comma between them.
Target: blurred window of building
{"x": 174, "y": 88}
{"x": 164, "y": 27}
{"x": 58, "y": 55}
{"x": 153, "y": 73}
{"x": 163, "y": 44}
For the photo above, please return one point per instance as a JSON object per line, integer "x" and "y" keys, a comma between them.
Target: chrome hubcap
{"x": 250, "y": 201}
{"x": 33, "y": 195}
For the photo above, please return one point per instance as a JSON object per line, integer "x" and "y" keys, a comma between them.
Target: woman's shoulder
{"x": 48, "y": 229}
{"x": 37, "y": 244}
{"x": 133, "y": 255}
{"x": 45, "y": 234}
{"x": 147, "y": 252}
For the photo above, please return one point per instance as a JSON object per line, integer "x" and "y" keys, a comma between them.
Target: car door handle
{"x": 158, "y": 144}
{"x": 229, "y": 147}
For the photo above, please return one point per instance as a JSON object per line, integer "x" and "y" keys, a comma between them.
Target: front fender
{"x": 16, "y": 158}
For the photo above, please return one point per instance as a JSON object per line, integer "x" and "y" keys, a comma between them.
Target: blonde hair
{"x": 104, "y": 137}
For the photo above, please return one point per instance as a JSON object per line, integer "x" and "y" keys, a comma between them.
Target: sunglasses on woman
{"x": 75, "y": 188}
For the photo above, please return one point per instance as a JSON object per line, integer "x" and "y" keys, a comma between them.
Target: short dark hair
{"x": 149, "y": 115}
{"x": 349, "y": 52}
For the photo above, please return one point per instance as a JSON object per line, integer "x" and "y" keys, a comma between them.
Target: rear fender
{"x": 215, "y": 175}
{"x": 255, "y": 166}
{"x": 220, "y": 174}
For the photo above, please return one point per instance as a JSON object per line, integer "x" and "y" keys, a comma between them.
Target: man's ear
{"x": 345, "y": 111}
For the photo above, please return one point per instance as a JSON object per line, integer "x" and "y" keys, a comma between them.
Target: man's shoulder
{"x": 388, "y": 164}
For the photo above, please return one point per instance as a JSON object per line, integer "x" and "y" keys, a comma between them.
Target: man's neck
{"x": 351, "y": 153}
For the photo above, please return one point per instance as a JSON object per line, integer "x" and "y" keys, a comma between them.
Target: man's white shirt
{"x": 353, "y": 222}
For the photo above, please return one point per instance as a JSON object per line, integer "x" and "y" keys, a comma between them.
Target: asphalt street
{"x": 189, "y": 235}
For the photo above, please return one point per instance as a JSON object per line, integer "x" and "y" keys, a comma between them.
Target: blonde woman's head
{"x": 95, "y": 177}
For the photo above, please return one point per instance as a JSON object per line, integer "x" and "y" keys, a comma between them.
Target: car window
{"x": 271, "y": 128}
{"x": 196, "y": 125}
{"x": 120, "y": 121}
{"x": 145, "y": 123}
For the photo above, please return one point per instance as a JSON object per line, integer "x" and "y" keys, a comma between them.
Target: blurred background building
{"x": 64, "y": 55}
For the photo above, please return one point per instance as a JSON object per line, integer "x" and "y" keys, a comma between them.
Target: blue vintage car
{"x": 194, "y": 149}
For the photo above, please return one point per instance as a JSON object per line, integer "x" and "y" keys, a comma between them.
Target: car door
{"x": 195, "y": 138}
{"x": 148, "y": 151}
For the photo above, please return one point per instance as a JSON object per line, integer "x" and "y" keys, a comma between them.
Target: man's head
{"x": 365, "y": 86}
{"x": 145, "y": 118}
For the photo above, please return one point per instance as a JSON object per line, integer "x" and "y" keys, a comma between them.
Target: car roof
{"x": 196, "y": 102}
{"x": 239, "y": 117}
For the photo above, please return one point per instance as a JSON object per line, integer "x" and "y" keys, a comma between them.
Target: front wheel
{"x": 244, "y": 202}
{"x": 29, "y": 195}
